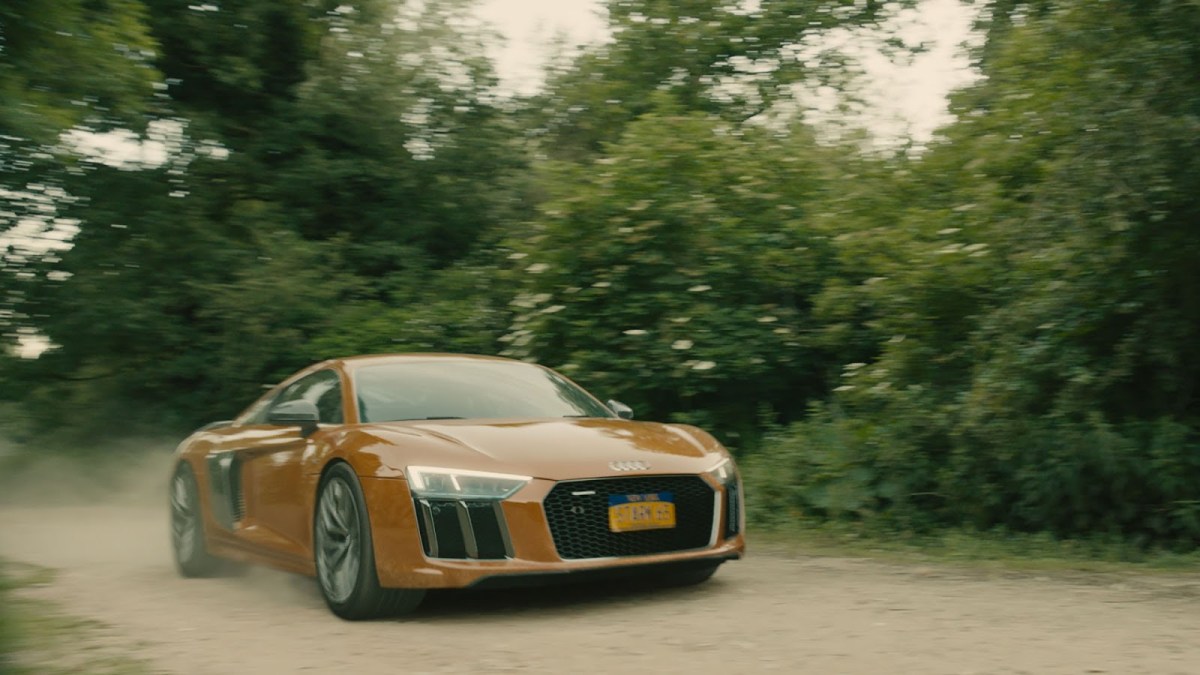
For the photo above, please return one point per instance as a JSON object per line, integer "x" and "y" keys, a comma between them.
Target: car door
{"x": 257, "y": 470}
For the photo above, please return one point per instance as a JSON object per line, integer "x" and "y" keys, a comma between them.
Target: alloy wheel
{"x": 184, "y": 517}
{"x": 338, "y": 540}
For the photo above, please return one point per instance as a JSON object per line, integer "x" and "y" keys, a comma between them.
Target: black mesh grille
{"x": 579, "y": 522}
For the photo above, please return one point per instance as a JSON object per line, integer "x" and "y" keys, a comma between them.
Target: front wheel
{"x": 345, "y": 554}
{"x": 187, "y": 526}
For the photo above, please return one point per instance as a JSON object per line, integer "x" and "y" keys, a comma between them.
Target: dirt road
{"x": 766, "y": 613}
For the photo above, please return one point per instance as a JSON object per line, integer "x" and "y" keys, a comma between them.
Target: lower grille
{"x": 577, "y": 512}
{"x": 733, "y": 509}
{"x": 462, "y": 529}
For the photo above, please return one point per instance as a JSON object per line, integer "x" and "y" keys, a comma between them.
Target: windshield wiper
{"x": 443, "y": 417}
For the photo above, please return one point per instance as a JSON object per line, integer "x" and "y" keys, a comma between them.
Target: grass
{"x": 36, "y": 636}
{"x": 964, "y": 548}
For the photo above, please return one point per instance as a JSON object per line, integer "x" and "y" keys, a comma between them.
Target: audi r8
{"x": 386, "y": 476}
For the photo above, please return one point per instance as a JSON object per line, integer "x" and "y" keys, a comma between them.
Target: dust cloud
{"x": 109, "y": 509}
{"x": 128, "y": 473}
{"x": 104, "y": 506}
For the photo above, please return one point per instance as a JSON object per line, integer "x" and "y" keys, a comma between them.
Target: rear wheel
{"x": 345, "y": 553}
{"x": 187, "y": 526}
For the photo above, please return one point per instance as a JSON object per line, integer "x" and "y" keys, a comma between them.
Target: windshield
{"x": 423, "y": 390}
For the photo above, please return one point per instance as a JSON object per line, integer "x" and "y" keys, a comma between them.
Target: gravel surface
{"x": 764, "y": 613}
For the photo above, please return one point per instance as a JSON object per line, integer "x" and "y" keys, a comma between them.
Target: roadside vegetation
{"x": 993, "y": 332}
{"x": 997, "y": 551}
{"x": 37, "y": 637}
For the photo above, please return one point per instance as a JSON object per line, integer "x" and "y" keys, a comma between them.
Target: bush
{"x": 1090, "y": 478}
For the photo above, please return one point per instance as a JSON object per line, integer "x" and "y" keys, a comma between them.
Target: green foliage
{"x": 736, "y": 60}
{"x": 1135, "y": 482}
{"x": 1031, "y": 319}
{"x": 326, "y": 168}
{"x": 459, "y": 309}
{"x": 67, "y": 63}
{"x": 676, "y": 271}
{"x": 395, "y": 148}
{"x": 66, "y": 66}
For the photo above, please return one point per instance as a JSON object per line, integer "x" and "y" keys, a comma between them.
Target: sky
{"x": 529, "y": 25}
{"x": 908, "y": 97}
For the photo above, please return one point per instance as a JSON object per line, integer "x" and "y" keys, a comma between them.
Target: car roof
{"x": 352, "y": 362}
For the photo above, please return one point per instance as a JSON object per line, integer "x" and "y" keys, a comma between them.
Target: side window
{"x": 323, "y": 389}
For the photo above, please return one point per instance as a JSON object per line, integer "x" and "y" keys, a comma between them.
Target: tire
{"x": 187, "y": 527}
{"x": 345, "y": 554}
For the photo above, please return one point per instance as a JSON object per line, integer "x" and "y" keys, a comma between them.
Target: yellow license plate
{"x": 629, "y": 513}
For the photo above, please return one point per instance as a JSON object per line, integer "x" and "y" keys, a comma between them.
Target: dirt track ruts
{"x": 765, "y": 613}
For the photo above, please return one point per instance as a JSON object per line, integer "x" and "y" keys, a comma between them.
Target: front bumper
{"x": 401, "y": 559}
{"x": 600, "y": 574}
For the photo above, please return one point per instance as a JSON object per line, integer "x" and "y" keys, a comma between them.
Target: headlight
{"x": 432, "y": 482}
{"x": 725, "y": 472}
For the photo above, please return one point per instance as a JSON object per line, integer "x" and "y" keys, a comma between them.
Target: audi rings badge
{"x": 629, "y": 465}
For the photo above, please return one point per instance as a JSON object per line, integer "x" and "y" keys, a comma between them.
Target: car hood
{"x": 552, "y": 449}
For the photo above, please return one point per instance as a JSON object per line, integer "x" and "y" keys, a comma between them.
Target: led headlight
{"x": 435, "y": 483}
{"x": 725, "y": 472}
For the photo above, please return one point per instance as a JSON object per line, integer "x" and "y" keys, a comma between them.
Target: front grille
{"x": 462, "y": 529}
{"x": 579, "y": 521}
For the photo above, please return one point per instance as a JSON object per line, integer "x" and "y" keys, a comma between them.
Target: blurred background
{"x": 901, "y": 310}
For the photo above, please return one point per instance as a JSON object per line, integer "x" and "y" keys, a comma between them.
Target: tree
{"x": 65, "y": 66}
{"x": 1033, "y": 310}
{"x": 397, "y": 143}
{"x": 319, "y": 160}
{"x": 70, "y": 63}
{"x": 676, "y": 272}
{"x": 735, "y": 60}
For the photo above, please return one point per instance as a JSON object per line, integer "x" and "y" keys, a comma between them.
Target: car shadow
{"x": 534, "y": 602}
{"x": 540, "y": 601}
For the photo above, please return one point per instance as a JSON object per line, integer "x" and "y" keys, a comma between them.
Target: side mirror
{"x": 623, "y": 411}
{"x": 295, "y": 413}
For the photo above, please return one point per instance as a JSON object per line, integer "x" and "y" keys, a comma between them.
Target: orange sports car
{"x": 386, "y": 476}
